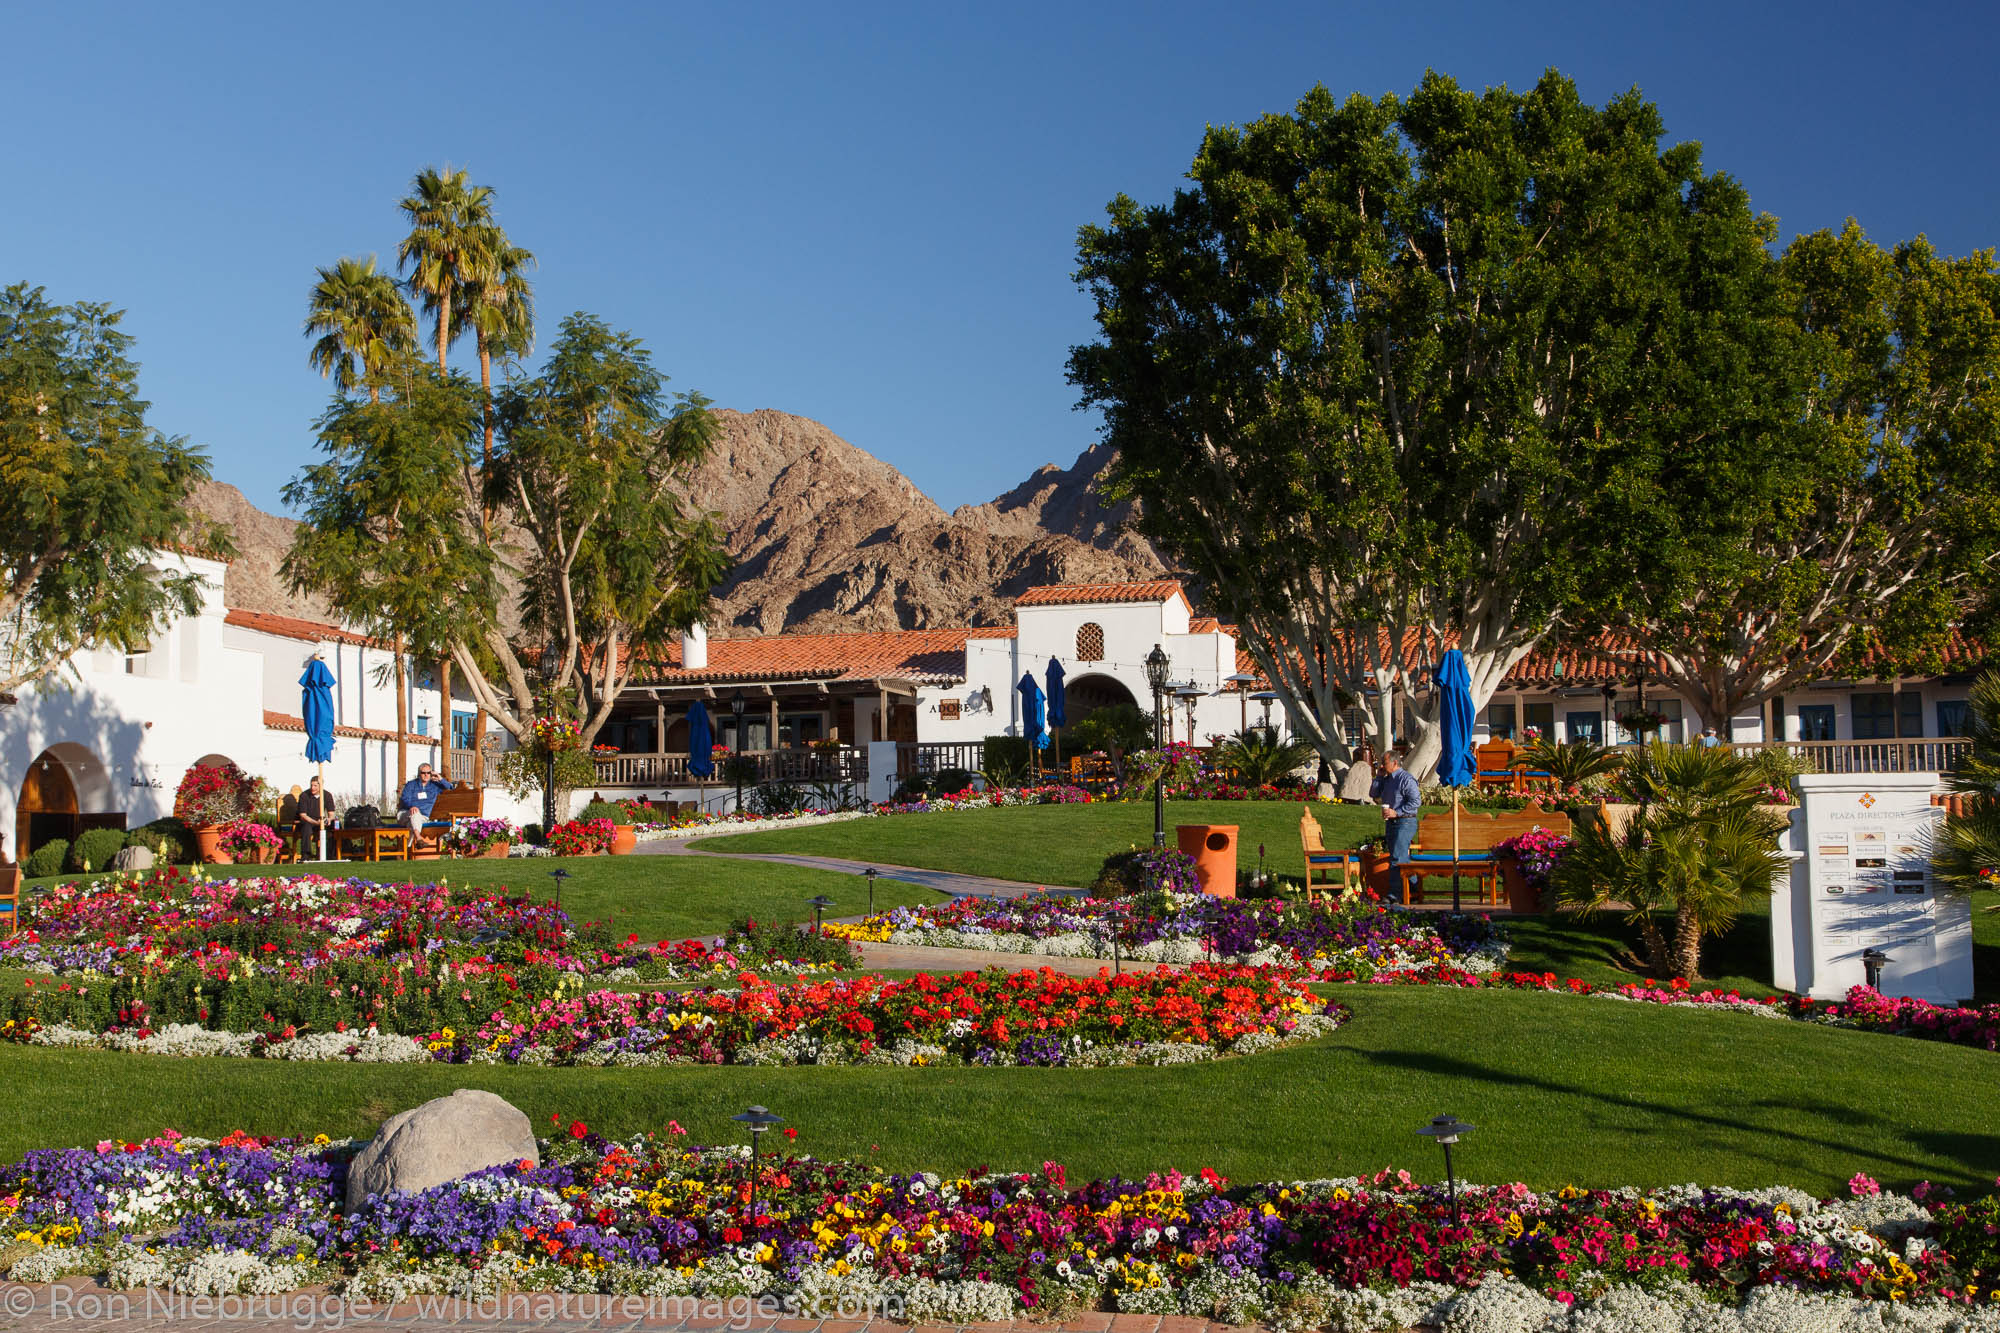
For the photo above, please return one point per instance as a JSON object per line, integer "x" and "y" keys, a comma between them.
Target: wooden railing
{"x": 1936, "y": 755}
{"x": 846, "y": 764}
{"x": 937, "y": 756}
{"x": 459, "y": 766}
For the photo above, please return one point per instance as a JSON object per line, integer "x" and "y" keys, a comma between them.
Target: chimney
{"x": 694, "y": 647}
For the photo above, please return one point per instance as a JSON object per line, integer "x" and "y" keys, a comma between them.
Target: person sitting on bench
{"x": 420, "y": 793}
{"x": 1398, "y": 795}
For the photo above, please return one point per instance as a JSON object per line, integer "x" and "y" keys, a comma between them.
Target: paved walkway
{"x": 79, "y": 1302}
{"x": 943, "y": 881}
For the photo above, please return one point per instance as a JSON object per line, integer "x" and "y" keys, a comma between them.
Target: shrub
{"x": 778, "y": 798}
{"x": 166, "y": 838}
{"x": 214, "y": 794}
{"x": 534, "y": 835}
{"x": 763, "y": 943}
{"x": 1005, "y": 760}
{"x": 615, "y": 811}
{"x": 1114, "y": 727}
{"x": 94, "y": 848}
{"x": 46, "y": 859}
{"x": 1147, "y": 870}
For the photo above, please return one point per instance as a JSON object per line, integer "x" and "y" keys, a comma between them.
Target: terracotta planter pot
{"x": 223, "y": 857}
{"x": 267, "y": 856}
{"x": 208, "y": 844}
{"x": 1521, "y": 896}
{"x": 624, "y": 837}
{"x": 494, "y": 852}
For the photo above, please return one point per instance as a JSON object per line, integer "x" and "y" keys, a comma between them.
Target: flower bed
{"x": 1347, "y": 941}
{"x": 1020, "y": 1018}
{"x": 648, "y": 1217}
{"x": 700, "y": 825}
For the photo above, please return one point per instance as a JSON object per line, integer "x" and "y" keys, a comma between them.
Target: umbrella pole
{"x": 322, "y": 813}
{"x": 1454, "y": 849}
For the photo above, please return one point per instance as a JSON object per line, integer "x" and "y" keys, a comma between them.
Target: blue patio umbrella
{"x": 316, "y": 708}
{"x": 1058, "y": 714}
{"x": 701, "y": 742}
{"x": 1031, "y": 711}
{"x": 1457, "y": 765}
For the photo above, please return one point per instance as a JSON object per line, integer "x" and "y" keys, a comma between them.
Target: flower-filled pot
{"x": 208, "y": 844}
{"x": 495, "y": 851}
{"x": 624, "y": 838}
{"x": 222, "y": 856}
{"x": 1521, "y": 895}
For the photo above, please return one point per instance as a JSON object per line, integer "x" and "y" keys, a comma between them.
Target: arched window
{"x": 1090, "y": 642}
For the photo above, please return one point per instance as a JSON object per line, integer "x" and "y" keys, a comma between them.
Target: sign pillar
{"x": 1862, "y": 880}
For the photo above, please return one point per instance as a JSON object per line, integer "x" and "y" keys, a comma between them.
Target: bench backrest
{"x": 462, "y": 802}
{"x": 1495, "y": 756}
{"x": 1309, "y": 831}
{"x": 1478, "y": 830}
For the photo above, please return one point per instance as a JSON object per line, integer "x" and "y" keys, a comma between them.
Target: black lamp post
{"x": 736, "y": 706}
{"x": 1446, "y": 1129}
{"x": 559, "y": 875}
{"x": 819, "y": 902}
{"x": 1157, "y": 666}
{"x": 548, "y": 664}
{"x": 1266, "y": 698}
{"x": 759, "y": 1120}
{"x": 1873, "y": 960}
{"x": 869, "y": 875}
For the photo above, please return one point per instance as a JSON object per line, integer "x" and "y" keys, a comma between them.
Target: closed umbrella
{"x": 1058, "y": 712}
{"x": 1033, "y": 724}
{"x": 701, "y": 745}
{"x": 1456, "y": 765}
{"x": 316, "y": 708}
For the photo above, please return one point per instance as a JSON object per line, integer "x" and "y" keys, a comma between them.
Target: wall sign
{"x": 948, "y": 708}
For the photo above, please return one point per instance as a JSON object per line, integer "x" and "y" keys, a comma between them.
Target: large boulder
{"x": 439, "y": 1141}
{"x": 133, "y": 858}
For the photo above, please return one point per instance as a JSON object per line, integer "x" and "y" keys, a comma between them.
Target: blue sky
{"x": 861, "y": 213}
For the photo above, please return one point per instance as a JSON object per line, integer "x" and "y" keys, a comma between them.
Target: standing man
{"x": 419, "y": 794}
{"x": 315, "y": 813}
{"x": 1709, "y": 740}
{"x": 1396, "y": 792}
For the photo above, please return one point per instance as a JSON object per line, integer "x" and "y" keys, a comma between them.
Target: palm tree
{"x": 451, "y": 224}
{"x": 1698, "y": 846}
{"x": 499, "y": 304}
{"x": 1259, "y": 758}
{"x": 1570, "y": 764}
{"x": 362, "y": 323}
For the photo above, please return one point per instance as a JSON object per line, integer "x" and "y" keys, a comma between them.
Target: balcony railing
{"x": 913, "y": 757}
{"x": 846, "y": 764}
{"x": 1936, "y": 755}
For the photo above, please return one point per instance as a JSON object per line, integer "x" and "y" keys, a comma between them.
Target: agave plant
{"x": 1260, "y": 758}
{"x": 1698, "y": 846}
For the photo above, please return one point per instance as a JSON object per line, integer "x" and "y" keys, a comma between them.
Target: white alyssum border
{"x": 723, "y": 828}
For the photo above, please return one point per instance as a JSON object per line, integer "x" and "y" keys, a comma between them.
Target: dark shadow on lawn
{"x": 1444, "y": 1066}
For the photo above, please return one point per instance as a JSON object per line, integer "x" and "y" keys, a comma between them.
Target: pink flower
{"x": 1862, "y": 1187}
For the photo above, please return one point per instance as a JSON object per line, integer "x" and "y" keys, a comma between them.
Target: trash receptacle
{"x": 1213, "y": 847}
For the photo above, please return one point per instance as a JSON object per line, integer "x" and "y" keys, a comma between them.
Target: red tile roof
{"x": 928, "y": 655}
{"x": 993, "y": 632}
{"x": 291, "y": 627}
{"x": 1084, "y": 594}
{"x": 274, "y": 721}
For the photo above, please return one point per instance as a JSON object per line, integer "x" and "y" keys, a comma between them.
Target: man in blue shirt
{"x": 419, "y": 794}
{"x": 1397, "y": 793}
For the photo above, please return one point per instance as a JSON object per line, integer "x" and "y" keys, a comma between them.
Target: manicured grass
{"x": 657, "y": 897}
{"x": 1060, "y": 844}
{"x": 1562, "y": 1088}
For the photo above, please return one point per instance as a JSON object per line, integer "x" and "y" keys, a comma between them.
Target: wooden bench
{"x": 463, "y": 801}
{"x": 1478, "y": 832}
{"x": 1321, "y": 860}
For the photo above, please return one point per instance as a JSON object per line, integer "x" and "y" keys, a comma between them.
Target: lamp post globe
{"x": 1157, "y": 666}
{"x": 759, "y": 1120}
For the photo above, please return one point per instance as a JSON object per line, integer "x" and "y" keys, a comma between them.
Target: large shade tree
{"x": 91, "y": 496}
{"x": 1407, "y": 371}
{"x": 590, "y": 525}
{"x": 1864, "y": 521}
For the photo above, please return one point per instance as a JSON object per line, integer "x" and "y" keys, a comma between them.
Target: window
{"x": 798, "y": 729}
{"x": 1090, "y": 642}
{"x": 461, "y": 730}
{"x": 1540, "y": 718}
{"x": 1816, "y": 722}
{"x": 1500, "y": 721}
{"x": 1874, "y": 716}
{"x": 1909, "y": 713}
{"x": 1951, "y": 716}
{"x": 1585, "y": 726}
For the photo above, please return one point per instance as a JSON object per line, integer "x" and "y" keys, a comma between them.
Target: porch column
{"x": 881, "y": 713}
{"x": 659, "y": 726}
{"x": 774, "y": 720}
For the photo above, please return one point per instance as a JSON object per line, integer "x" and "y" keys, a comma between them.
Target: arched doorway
{"x": 1086, "y": 694}
{"x": 65, "y": 790}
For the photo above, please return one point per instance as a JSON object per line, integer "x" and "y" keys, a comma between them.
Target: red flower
{"x": 791, "y": 1133}
{"x": 578, "y": 1130}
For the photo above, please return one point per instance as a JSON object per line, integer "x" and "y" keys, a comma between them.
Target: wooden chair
{"x": 288, "y": 822}
{"x": 10, "y": 895}
{"x": 1322, "y": 861}
{"x": 463, "y": 801}
{"x": 1496, "y": 766}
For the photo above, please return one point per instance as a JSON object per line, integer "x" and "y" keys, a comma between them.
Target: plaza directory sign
{"x": 1861, "y": 879}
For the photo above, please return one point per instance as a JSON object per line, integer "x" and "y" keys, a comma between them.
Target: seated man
{"x": 315, "y": 812}
{"x": 419, "y": 794}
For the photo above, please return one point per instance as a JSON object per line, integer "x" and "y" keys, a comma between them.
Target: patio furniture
{"x": 1321, "y": 860}
{"x": 463, "y": 801}
{"x": 390, "y": 842}
{"x": 1496, "y": 766}
{"x": 1430, "y": 855}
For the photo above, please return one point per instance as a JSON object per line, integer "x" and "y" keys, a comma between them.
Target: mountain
{"x": 826, "y": 537}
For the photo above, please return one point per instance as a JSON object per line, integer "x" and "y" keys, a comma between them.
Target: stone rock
{"x": 440, "y": 1141}
{"x": 133, "y": 858}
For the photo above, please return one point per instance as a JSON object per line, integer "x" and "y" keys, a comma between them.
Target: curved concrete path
{"x": 947, "y": 882}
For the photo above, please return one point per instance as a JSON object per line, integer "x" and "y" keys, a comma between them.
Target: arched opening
{"x": 65, "y": 790}
{"x": 1086, "y": 694}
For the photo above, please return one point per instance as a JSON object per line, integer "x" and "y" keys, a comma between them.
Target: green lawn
{"x": 1059, "y": 844}
{"x": 658, "y": 897}
{"x": 1562, "y": 1089}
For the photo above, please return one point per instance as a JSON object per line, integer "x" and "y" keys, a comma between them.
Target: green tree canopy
{"x": 1391, "y": 369}
{"x": 1863, "y": 518}
{"x": 90, "y": 495}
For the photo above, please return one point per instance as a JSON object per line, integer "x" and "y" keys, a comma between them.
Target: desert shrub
{"x": 46, "y": 859}
{"x": 94, "y": 848}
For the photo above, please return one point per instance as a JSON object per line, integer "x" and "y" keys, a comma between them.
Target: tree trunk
{"x": 444, "y": 719}
{"x": 1687, "y": 945}
{"x": 1658, "y": 956}
{"x": 444, "y": 330}
{"x": 402, "y": 718}
{"x": 486, "y": 450}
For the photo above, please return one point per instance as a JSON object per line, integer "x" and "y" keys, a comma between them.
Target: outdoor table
{"x": 389, "y": 843}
